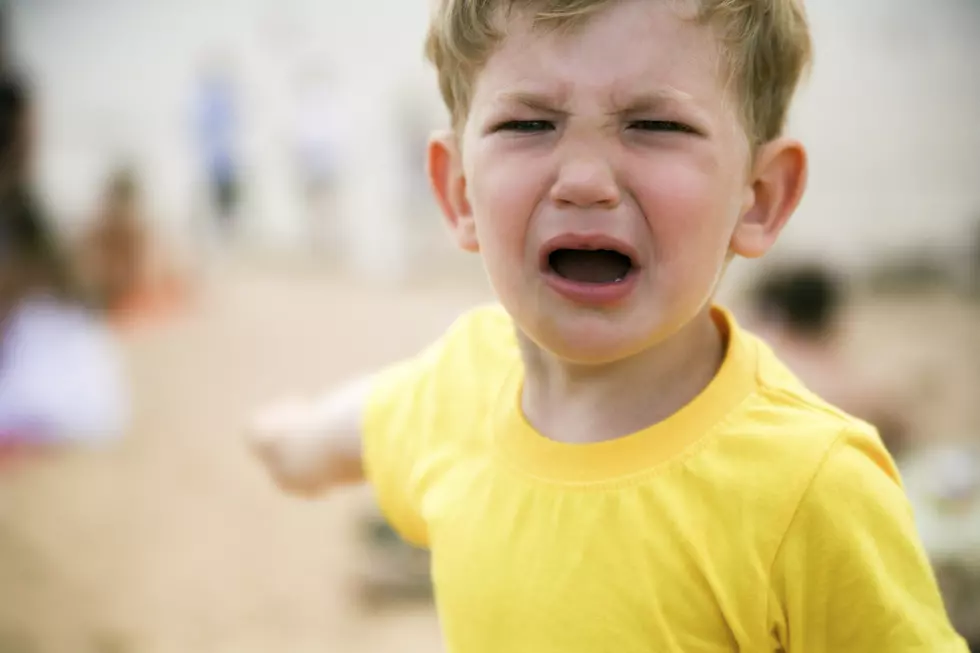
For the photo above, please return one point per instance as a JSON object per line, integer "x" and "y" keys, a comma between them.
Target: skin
{"x": 621, "y": 129}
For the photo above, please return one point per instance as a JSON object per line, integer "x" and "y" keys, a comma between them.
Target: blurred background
{"x": 236, "y": 191}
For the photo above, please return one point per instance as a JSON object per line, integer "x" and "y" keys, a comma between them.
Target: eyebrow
{"x": 653, "y": 100}
{"x": 640, "y": 103}
{"x": 535, "y": 101}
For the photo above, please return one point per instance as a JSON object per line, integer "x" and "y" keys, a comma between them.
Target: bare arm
{"x": 312, "y": 446}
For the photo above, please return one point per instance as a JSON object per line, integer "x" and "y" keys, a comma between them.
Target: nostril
{"x": 585, "y": 186}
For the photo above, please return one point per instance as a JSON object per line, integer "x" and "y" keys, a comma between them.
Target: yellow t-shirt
{"x": 757, "y": 518}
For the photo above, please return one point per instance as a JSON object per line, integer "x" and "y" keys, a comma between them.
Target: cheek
{"x": 503, "y": 196}
{"x": 690, "y": 214}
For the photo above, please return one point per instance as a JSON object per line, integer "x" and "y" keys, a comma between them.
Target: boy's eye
{"x": 525, "y": 126}
{"x": 662, "y": 126}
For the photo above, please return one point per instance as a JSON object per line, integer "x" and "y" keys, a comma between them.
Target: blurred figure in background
{"x": 60, "y": 373}
{"x": 126, "y": 268}
{"x": 799, "y": 311}
{"x": 217, "y": 133}
{"x": 61, "y": 376}
{"x": 115, "y": 250}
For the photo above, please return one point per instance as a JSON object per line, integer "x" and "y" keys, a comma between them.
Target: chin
{"x": 590, "y": 340}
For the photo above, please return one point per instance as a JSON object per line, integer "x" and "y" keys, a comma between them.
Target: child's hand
{"x": 300, "y": 450}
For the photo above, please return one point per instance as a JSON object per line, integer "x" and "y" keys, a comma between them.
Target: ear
{"x": 449, "y": 186}
{"x": 776, "y": 187}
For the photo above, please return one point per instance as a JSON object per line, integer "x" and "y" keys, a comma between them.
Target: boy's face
{"x": 618, "y": 136}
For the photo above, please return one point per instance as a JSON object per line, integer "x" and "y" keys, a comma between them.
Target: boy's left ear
{"x": 775, "y": 188}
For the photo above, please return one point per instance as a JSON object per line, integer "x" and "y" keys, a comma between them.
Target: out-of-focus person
{"x": 61, "y": 374}
{"x": 799, "y": 310}
{"x": 216, "y": 123}
{"x": 114, "y": 252}
{"x": 125, "y": 267}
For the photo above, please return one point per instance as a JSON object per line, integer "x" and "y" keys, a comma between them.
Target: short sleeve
{"x": 851, "y": 573}
{"x": 414, "y": 407}
{"x": 394, "y": 429}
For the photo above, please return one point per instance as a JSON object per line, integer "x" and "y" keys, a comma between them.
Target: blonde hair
{"x": 766, "y": 45}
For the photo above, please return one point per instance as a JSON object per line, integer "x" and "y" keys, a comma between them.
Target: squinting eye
{"x": 525, "y": 126}
{"x": 662, "y": 126}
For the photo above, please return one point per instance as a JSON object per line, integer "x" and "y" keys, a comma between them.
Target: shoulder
{"x": 481, "y": 341}
{"x": 797, "y": 448}
{"x": 858, "y": 477}
{"x": 855, "y": 473}
{"x": 484, "y": 330}
{"x": 456, "y": 372}
{"x": 781, "y": 405}
{"x": 781, "y": 419}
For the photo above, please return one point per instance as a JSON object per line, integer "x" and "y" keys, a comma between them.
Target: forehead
{"x": 631, "y": 48}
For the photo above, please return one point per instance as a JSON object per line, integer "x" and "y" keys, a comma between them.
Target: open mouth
{"x": 591, "y": 266}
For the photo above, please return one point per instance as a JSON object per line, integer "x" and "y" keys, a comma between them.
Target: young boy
{"x": 608, "y": 462}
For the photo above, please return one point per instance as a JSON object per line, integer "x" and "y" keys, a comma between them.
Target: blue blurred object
{"x": 61, "y": 377}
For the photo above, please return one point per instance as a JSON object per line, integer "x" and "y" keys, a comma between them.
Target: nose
{"x": 586, "y": 180}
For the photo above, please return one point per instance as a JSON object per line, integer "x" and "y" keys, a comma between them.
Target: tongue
{"x": 586, "y": 266}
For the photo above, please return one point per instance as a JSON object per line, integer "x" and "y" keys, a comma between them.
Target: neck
{"x": 593, "y": 403}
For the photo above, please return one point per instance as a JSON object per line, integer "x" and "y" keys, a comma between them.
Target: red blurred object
{"x": 10, "y": 455}
{"x": 16, "y": 449}
{"x": 151, "y": 305}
